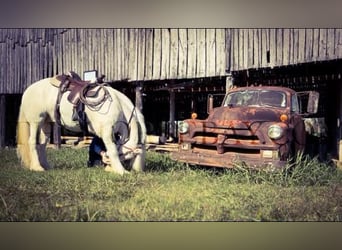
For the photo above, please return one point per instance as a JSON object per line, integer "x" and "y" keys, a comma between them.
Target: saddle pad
{"x": 56, "y": 80}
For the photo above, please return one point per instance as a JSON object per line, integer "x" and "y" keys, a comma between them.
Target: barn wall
{"x": 28, "y": 55}
{"x": 133, "y": 54}
{"x": 262, "y": 48}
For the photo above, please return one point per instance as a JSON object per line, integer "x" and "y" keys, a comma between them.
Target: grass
{"x": 306, "y": 190}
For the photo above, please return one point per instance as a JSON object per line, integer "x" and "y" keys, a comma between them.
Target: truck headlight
{"x": 275, "y": 132}
{"x": 183, "y": 127}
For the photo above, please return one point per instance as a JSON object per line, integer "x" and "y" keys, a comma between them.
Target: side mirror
{"x": 310, "y": 100}
{"x": 313, "y": 102}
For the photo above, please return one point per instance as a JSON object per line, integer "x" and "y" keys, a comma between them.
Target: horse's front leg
{"x": 112, "y": 153}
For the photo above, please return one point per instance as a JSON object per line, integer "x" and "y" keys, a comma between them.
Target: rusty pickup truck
{"x": 258, "y": 125}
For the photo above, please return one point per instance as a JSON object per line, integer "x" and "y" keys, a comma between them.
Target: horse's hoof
{"x": 113, "y": 170}
{"x": 38, "y": 169}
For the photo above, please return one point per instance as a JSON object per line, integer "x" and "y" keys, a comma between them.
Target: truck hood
{"x": 245, "y": 114}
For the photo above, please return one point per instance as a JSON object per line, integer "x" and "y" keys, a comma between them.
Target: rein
{"x": 94, "y": 105}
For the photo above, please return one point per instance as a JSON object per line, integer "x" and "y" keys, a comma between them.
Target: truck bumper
{"x": 225, "y": 160}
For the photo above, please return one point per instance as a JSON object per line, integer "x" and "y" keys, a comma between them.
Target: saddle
{"x": 82, "y": 93}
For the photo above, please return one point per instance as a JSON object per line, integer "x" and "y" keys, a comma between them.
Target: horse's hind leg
{"x": 41, "y": 147}
{"x": 34, "y": 164}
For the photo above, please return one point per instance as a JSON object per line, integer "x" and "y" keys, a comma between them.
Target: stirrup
{"x": 74, "y": 114}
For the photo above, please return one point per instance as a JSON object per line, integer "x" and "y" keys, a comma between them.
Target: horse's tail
{"x": 23, "y": 133}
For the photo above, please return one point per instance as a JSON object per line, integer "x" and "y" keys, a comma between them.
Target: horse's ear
{"x": 56, "y": 80}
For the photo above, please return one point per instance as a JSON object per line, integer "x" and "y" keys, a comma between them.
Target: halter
{"x": 137, "y": 149}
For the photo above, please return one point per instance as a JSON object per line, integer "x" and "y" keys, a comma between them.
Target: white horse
{"x": 116, "y": 114}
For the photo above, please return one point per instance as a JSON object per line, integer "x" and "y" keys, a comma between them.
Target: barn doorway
{"x": 11, "y": 116}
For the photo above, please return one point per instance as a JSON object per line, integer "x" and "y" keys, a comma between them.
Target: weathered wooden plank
{"x": 249, "y": 49}
{"x": 322, "y": 44}
{"x": 290, "y": 44}
{"x": 73, "y": 52}
{"x": 7, "y": 69}
{"x": 210, "y": 52}
{"x": 338, "y": 43}
{"x": 89, "y": 52}
{"x": 132, "y": 55}
{"x": 182, "y": 53}
{"x": 36, "y": 53}
{"x": 14, "y": 78}
{"x": 301, "y": 46}
{"x": 331, "y": 49}
{"x": 125, "y": 43}
{"x": 295, "y": 45}
{"x": 174, "y": 37}
{"x": 220, "y": 52}
{"x": 165, "y": 58}
{"x": 308, "y": 45}
{"x": 117, "y": 55}
{"x": 54, "y": 56}
{"x": 255, "y": 53}
{"x": 156, "y": 54}
{"x": 3, "y": 52}
{"x": 228, "y": 50}
{"x": 66, "y": 53}
{"x": 264, "y": 51}
{"x": 201, "y": 55}
{"x": 80, "y": 50}
{"x": 43, "y": 62}
{"x": 236, "y": 49}
{"x": 111, "y": 51}
{"x": 245, "y": 64}
{"x": 141, "y": 54}
{"x": 279, "y": 46}
{"x": 149, "y": 54}
{"x": 315, "y": 45}
{"x": 273, "y": 48}
{"x": 191, "y": 64}
{"x": 241, "y": 49}
{"x": 286, "y": 47}
{"x": 105, "y": 53}
{"x": 96, "y": 50}
{"x": 92, "y": 49}
{"x": 22, "y": 66}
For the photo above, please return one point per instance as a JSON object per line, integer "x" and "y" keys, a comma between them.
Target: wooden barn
{"x": 170, "y": 72}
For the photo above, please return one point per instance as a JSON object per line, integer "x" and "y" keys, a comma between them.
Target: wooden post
{"x": 138, "y": 96}
{"x": 57, "y": 135}
{"x": 2, "y": 120}
{"x": 172, "y": 115}
{"x": 229, "y": 82}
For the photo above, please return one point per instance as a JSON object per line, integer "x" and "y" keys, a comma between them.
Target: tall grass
{"x": 305, "y": 190}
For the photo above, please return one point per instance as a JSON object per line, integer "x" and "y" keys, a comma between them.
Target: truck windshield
{"x": 256, "y": 98}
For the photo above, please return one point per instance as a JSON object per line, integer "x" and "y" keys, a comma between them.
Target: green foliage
{"x": 305, "y": 190}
